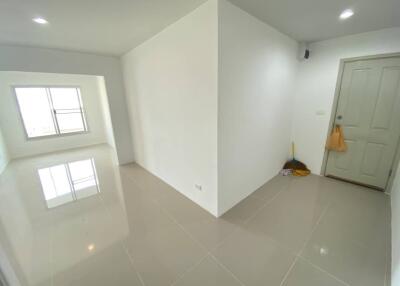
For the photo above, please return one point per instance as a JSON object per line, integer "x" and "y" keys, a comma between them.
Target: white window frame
{"x": 52, "y": 110}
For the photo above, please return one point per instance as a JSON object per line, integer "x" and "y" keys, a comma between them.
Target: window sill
{"x": 56, "y": 135}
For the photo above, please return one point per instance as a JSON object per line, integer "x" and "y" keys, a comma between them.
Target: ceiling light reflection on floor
{"x": 91, "y": 247}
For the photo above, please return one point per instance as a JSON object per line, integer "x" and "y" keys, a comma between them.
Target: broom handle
{"x": 293, "y": 150}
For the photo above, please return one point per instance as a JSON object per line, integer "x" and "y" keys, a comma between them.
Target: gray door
{"x": 369, "y": 112}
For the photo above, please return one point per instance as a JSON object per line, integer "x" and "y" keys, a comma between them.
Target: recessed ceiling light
{"x": 346, "y": 14}
{"x": 40, "y": 20}
{"x": 91, "y": 247}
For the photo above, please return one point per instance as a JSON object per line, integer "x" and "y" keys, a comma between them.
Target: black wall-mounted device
{"x": 306, "y": 53}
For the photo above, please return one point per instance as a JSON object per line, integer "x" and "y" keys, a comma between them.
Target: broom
{"x": 299, "y": 168}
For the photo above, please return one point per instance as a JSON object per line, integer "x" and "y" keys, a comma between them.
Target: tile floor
{"x": 106, "y": 225}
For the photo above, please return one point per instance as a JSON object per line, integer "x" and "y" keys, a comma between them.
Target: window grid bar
{"x": 68, "y": 109}
{"x": 66, "y": 112}
{"x": 53, "y": 182}
{"x": 78, "y": 94}
{"x": 53, "y": 114}
{"x": 71, "y": 183}
{"x": 82, "y": 180}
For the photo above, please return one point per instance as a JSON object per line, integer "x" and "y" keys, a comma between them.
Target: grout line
{"x": 171, "y": 217}
{"x": 190, "y": 269}
{"x": 267, "y": 202}
{"x": 388, "y": 243}
{"x": 226, "y": 269}
{"x": 314, "y": 229}
{"x": 300, "y": 254}
{"x": 238, "y": 227}
{"x": 385, "y": 278}
{"x": 278, "y": 243}
{"x": 52, "y": 254}
{"x": 173, "y": 220}
{"x": 289, "y": 270}
{"x": 123, "y": 245}
{"x": 208, "y": 253}
{"x": 388, "y": 247}
{"x": 219, "y": 244}
{"x": 132, "y": 261}
{"x": 324, "y": 271}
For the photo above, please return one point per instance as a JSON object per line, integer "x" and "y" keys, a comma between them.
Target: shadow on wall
{"x": 4, "y": 157}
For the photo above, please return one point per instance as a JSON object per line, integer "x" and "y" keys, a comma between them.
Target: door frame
{"x": 343, "y": 61}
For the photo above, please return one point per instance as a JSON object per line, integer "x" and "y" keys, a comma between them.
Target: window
{"x": 68, "y": 182}
{"x": 49, "y": 111}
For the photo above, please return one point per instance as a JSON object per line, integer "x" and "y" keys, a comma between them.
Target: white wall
{"x": 171, "y": 84}
{"x": 316, "y": 87}
{"x": 29, "y": 59}
{"x": 257, "y": 69}
{"x": 395, "y": 200}
{"x": 11, "y": 121}
{"x": 4, "y": 156}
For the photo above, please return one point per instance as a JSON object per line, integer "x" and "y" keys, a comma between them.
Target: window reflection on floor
{"x": 69, "y": 182}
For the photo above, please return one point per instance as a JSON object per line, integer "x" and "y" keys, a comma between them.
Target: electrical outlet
{"x": 198, "y": 187}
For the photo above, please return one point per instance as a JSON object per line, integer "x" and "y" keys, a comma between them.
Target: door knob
{"x": 339, "y": 117}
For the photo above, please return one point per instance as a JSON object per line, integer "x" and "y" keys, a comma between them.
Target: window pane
{"x": 35, "y": 111}
{"x": 84, "y": 184}
{"x": 61, "y": 181}
{"x": 81, "y": 169}
{"x": 86, "y": 192}
{"x": 70, "y": 122}
{"x": 65, "y": 98}
{"x": 48, "y": 186}
{"x": 83, "y": 178}
{"x": 56, "y": 186}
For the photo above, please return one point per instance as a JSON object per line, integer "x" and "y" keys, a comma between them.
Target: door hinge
{"x": 390, "y": 173}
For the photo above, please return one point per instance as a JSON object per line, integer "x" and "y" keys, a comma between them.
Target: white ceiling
{"x": 115, "y": 26}
{"x": 101, "y": 26}
{"x": 314, "y": 20}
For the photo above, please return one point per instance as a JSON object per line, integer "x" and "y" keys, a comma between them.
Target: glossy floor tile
{"x": 291, "y": 217}
{"x": 255, "y": 259}
{"x": 208, "y": 272}
{"x": 305, "y": 274}
{"x": 76, "y": 218}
